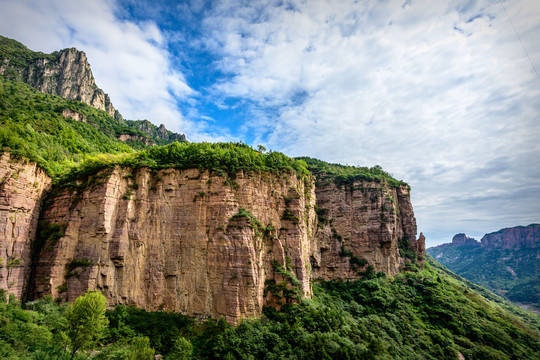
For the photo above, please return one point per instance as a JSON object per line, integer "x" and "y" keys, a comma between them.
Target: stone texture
{"x": 68, "y": 113}
{"x": 364, "y": 220}
{"x": 22, "y": 188}
{"x": 67, "y": 75}
{"x": 144, "y": 140}
{"x": 172, "y": 242}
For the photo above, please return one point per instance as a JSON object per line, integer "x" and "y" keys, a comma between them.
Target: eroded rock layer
{"x": 179, "y": 240}
{"x": 361, "y": 224}
{"x": 22, "y": 188}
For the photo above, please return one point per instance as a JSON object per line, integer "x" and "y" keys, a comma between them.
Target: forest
{"x": 420, "y": 314}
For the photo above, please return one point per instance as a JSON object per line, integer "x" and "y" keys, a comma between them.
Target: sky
{"x": 444, "y": 95}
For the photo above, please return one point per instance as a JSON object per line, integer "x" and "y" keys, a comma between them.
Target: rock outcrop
{"x": 361, "y": 224}
{"x": 515, "y": 238}
{"x": 180, "y": 241}
{"x": 159, "y": 133}
{"x": 65, "y": 73}
{"x": 463, "y": 240}
{"x": 22, "y": 188}
{"x": 195, "y": 242}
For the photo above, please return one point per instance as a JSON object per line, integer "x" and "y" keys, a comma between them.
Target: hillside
{"x": 505, "y": 261}
{"x": 427, "y": 314}
{"x": 205, "y": 251}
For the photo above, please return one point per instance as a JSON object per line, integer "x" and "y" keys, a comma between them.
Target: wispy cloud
{"x": 437, "y": 93}
{"x": 129, "y": 59}
{"x": 441, "y": 94}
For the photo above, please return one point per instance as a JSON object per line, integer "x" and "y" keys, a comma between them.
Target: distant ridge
{"x": 506, "y": 261}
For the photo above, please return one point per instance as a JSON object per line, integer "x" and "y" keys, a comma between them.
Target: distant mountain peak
{"x": 463, "y": 240}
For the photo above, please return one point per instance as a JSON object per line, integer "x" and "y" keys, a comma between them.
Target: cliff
{"x": 220, "y": 230}
{"x": 179, "y": 240}
{"x": 361, "y": 224}
{"x": 515, "y": 238}
{"x": 65, "y": 73}
{"x": 22, "y": 188}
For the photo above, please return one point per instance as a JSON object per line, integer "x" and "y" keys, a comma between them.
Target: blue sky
{"x": 442, "y": 95}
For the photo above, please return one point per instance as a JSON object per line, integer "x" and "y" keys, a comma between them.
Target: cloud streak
{"x": 441, "y": 95}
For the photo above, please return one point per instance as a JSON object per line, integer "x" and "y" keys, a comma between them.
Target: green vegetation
{"x": 20, "y": 56}
{"x": 85, "y": 322}
{"x": 32, "y": 126}
{"x": 347, "y": 175}
{"x": 225, "y": 159}
{"x": 427, "y": 314}
{"x": 513, "y": 273}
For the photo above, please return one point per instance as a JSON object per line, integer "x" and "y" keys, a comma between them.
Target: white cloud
{"x": 129, "y": 60}
{"x": 434, "y": 93}
{"x": 441, "y": 94}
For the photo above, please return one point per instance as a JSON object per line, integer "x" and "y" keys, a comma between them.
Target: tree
{"x": 181, "y": 350}
{"x": 86, "y": 321}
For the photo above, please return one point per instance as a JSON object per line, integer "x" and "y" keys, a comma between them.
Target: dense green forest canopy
{"x": 343, "y": 174}
{"x": 425, "y": 314}
{"x": 222, "y": 158}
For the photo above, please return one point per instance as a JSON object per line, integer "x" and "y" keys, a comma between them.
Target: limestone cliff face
{"x": 178, "y": 240}
{"x": 65, "y": 73}
{"x": 360, "y": 224}
{"x": 22, "y": 188}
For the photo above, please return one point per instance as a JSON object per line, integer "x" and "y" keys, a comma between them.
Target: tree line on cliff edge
{"x": 425, "y": 314}
{"x": 33, "y": 127}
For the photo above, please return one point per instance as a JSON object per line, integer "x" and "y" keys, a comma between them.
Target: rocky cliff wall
{"x": 361, "y": 224}
{"x": 22, "y": 188}
{"x": 515, "y": 238}
{"x": 66, "y": 74}
{"x": 179, "y": 241}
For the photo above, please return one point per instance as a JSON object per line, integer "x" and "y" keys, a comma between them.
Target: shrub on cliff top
{"x": 223, "y": 158}
{"x": 346, "y": 175}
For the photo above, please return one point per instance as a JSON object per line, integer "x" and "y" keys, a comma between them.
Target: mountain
{"x": 67, "y": 74}
{"x": 217, "y": 250}
{"x": 209, "y": 230}
{"x": 506, "y": 261}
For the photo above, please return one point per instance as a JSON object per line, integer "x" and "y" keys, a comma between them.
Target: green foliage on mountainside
{"x": 32, "y": 126}
{"x": 513, "y": 273}
{"x": 20, "y": 56}
{"x": 347, "y": 175}
{"x": 223, "y": 158}
{"x": 427, "y": 314}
